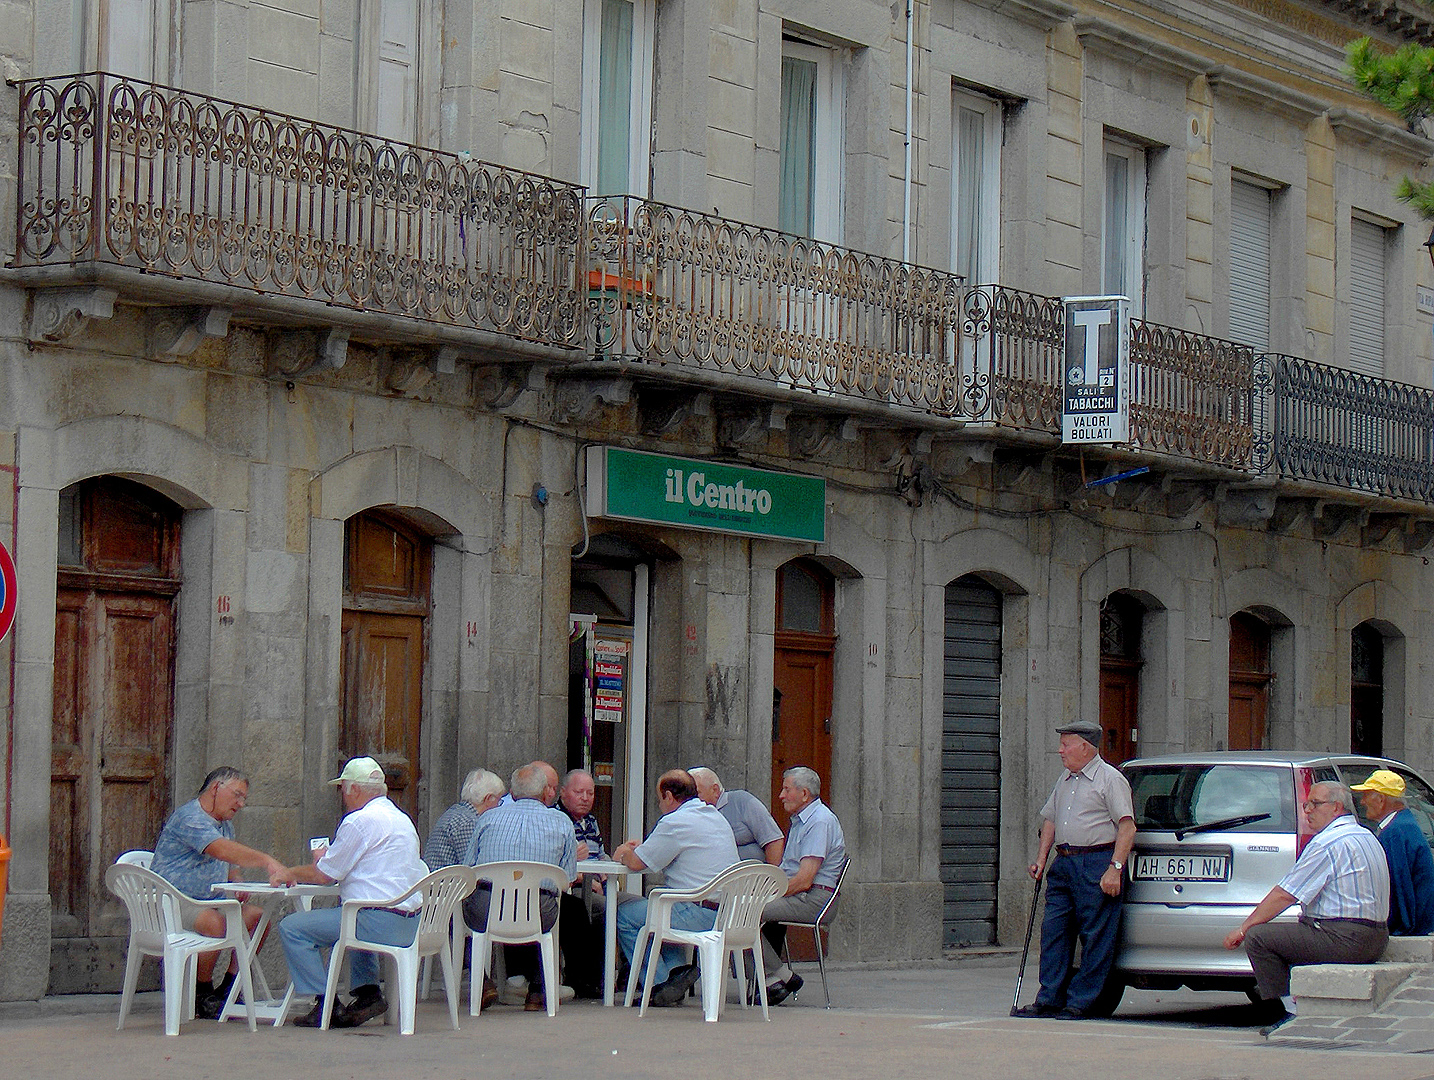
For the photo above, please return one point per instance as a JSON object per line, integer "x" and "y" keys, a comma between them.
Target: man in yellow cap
{"x": 1411, "y": 866}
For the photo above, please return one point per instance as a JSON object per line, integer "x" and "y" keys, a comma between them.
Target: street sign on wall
{"x": 1095, "y": 403}
{"x": 632, "y": 485}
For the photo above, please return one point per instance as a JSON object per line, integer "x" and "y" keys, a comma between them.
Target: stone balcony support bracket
{"x": 179, "y": 331}
{"x": 58, "y": 316}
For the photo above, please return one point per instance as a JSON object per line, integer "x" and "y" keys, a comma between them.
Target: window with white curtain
{"x": 975, "y": 188}
{"x": 810, "y": 156}
{"x": 1368, "y": 245}
{"x": 1250, "y": 252}
{"x": 618, "y": 40}
{"x": 1122, "y": 252}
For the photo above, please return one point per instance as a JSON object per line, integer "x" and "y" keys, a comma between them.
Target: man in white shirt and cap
{"x": 374, "y": 856}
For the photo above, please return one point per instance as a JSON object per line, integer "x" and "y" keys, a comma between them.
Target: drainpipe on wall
{"x": 910, "y": 108}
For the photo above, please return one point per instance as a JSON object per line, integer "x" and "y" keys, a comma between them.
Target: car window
{"x": 1179, "y": 796}
{"x": 1420, "y": 800}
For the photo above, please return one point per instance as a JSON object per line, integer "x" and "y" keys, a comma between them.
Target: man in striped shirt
{"x": 1341, "y": 880}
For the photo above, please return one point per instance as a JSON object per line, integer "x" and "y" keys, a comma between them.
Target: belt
{"x": 710, "y": 905}
{"x": 396, "y": 911}
{"x": 824, "y": 888}
{"x": 1373, "y": 924}
{"x": 1090, "y": 849}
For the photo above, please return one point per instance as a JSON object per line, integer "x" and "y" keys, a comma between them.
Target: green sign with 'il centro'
{"x": 635, "y": 486}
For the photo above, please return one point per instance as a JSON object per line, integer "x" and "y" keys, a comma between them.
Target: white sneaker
{"x": 565, "y": 994}
{"x": 513, "y": 990}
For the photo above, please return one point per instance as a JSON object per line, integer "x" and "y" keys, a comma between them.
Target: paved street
{"x": 949, "y": 1020}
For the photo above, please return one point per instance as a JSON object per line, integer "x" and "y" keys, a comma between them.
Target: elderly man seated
{"x": 448, "y": 839}
{"x": 691, "y": 844}
{"x": 374, "y": 856}
{"x": 195, "y": 850}
{"x": 813, "y": 859}
{"x": 758, "y": 834}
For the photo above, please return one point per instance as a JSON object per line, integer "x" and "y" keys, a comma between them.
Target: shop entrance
{"x": 607, "y": 681}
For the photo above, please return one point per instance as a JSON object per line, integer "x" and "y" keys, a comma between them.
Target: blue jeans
{"x": 1076, "y": 908}
{"x": 305, "y": 933}
{"x": 631, "y": 917}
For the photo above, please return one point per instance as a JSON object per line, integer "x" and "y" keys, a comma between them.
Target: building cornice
{"x": 1042, "y": 14}
{"x": 1231, "y": 82}
{"x": 1366, "y": 130}
{"x": 1123, "y": 42}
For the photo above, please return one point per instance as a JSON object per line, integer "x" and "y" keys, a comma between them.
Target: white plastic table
{"x": 612, "y": 870}
{"x": 268, "y": 898}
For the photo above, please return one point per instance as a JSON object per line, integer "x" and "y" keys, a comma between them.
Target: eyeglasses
{"x": 1310, "y": 804}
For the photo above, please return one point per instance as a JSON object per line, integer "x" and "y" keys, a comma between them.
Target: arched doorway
{"x": 802, "y": 672}
{"x": 1250, "y": 678}
{"x": 1366, "y": 690}
{"x": 1122, "y": 619}
{"x": 113, "y": 712}
{"x": 970, "y": 762}
{"x": 388, "y": 567}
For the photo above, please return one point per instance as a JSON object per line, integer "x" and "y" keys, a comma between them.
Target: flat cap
{"x": 1088, "y": 730}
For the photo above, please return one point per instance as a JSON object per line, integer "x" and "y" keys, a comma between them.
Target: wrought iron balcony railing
{"x": 1344, "y": 429}
{"x": 130, "y": 174}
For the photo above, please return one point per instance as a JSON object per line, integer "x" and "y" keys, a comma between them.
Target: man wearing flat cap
{"x": 1411, "y": 866}
{"x": 374, "y": 856}
{"x": 1090, "y": 822}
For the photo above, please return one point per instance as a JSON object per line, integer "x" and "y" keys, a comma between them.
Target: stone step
{"x": 1346, "y": 989}
{"x": 1409, "y": 950}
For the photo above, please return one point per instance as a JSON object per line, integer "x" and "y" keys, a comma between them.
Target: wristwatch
{"x": 1117, "y": 864}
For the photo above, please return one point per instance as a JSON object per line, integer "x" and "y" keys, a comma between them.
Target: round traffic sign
{"x": 9, "y": 590}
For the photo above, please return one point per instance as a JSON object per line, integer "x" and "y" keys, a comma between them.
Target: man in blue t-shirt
{"x": 196, "y": 849}
{"x": 1411, "y": 866}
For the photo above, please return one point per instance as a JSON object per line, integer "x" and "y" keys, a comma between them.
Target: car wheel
{"x": 1109, "y": 997}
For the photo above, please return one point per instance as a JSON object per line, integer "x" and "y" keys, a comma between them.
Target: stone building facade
{"x": 302, "y": 424}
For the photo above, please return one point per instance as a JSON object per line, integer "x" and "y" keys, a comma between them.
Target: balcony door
{"x": 112, "y": 715}
{"x": 1366, "y": 691}
{"x": 618, "y": 40}
{"x": 810, "y": 150}
{"x": 388, "y": 567}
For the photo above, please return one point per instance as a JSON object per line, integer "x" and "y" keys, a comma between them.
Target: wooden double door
{"x": 112, "y": 716}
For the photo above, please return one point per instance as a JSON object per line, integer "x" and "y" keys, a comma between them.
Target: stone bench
{"x": 1359, "y": 989}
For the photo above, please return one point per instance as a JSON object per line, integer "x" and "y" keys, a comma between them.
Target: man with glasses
{"x": 196, "y": 849}
{"x": 1341, "y": 881}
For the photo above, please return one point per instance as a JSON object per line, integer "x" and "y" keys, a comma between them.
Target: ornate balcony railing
{"x": 1191, "y": 396}
{"x": 674, "y": 286}
{"x": 131, "y": 174}
{"x": 1340, "y": 428}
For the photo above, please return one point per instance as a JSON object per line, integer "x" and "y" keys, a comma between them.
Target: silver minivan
{"x": 1215, "y": 832}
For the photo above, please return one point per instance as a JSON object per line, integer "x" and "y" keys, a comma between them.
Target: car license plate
{"x": 1181, "y": 868}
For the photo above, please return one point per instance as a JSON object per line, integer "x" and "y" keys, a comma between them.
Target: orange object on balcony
{"x": 601, "y": 280}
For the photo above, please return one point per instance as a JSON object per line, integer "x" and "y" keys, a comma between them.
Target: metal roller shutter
{"x": 1366, "y": 297}
{"x": 1250, "y": 264}
{"x": 971, "y": 762}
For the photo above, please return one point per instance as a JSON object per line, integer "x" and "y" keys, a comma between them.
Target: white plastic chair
{"x": 745, "y": 890}
{"x": 137, "y": 857}
{"x": 815, "y": 926}
{"x": 441, "y": 891}
{"x": 156, "y": 928}
{"x": 514, "y": 918}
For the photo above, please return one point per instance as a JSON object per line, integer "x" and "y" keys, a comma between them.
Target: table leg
{"x": 264, "y": 997}
{"x": 609, "y": 945}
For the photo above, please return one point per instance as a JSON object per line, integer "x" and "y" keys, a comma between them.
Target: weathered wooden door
{"x": 1121, "y": 622}
{"x": 112, "y": 713}
{"x": 1249, "y": 681}
{"x": 802, "y": 677}
{"x": 1366, "y": 691}
{"x": 386, "y": 606}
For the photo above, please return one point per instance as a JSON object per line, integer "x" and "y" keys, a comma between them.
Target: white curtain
{"x": 970, "y": 175}
{"x": 797, "y": 162}
{"x": 615, "y": 100}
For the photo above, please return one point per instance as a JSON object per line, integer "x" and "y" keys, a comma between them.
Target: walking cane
{"x": 1030, "y": 925}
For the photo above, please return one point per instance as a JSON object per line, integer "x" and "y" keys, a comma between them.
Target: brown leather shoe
{"x": 490, "y": 994}
{"x": 536, "y": 1002}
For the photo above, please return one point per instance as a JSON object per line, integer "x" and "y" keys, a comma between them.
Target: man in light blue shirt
{"x": 691, "y": 844}
{"x": 527, "y": 830}
{"x": 812, "y": 860}
{"x": 1341, "y": 880}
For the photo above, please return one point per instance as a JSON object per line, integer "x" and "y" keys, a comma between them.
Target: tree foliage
{"x": 1403, "y": 82}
